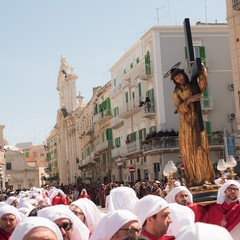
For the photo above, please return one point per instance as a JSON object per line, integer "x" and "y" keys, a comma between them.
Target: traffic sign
{"x": 131, "y": 169}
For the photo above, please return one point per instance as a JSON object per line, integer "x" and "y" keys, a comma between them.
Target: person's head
{"x": 65, "y": 226}
{"x": 179, "y": 77}
{"x": 9, "y": 218}
{"x": 87, "y": 212}
{"x": 181, "y": 216}
{"x": 153, "y": 212}
{"x": 200, "y": 231}
{"x": 131, "y": 228}
{"x": 78, "y": 212}
{"x": 232, "y": 193}
{"x": 229, "y": 191}
{"x": 36, "y": 228}
{"x": 8, "y": 222}
{"x": 40, "y": 233}
{"x": 182, "y": 198}
{"x": 68, "y": 223}
{"x": 180, "y": 195}
{"x": 12, "y": 201}
{"x": 117, "y": 225}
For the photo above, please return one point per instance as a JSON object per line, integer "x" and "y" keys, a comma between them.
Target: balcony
{"x": 132, "y": 148}
{"x": 207, "y": 104}
{"x": 149, "y": 111}
{"x": 129, "y": 109}
{"x": 161, "y": 144}
{"x": 115, "y": 90}
{"x": 117, "y": 122}
{"x": 108, "y": 144}
{"x": 236, "y": 5}
{"x": 102, "y": 116}
{"x": 171, "y": 144}
{"x": 146, "y": 75}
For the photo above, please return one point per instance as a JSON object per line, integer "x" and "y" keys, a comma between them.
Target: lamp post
{"x": 9, "y": 178}
{"x": 222, "y": 166}
{"x": 1, "y": 178}
{"x": 168, "y": 171}
{"x": 231, "y": 163}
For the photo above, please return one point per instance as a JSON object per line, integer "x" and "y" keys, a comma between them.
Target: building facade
{"x": 233, "y": 19}
{"x": 108, "y": 138}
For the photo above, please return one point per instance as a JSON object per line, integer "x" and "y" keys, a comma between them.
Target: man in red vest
{"x": 226, "y": 211}
{"x": 183, "y": 196}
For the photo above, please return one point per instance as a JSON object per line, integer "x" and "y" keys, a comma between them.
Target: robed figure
{"x": 193, "y": 143}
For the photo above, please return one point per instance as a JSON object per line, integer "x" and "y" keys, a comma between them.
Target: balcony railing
{"x": 108, "y": 144}
{"x": 130, "y": 108}
{"x": 149, "y": 110}
{"x": 207, "y": 104}
{"x": 173, "y": 142}
{"x": 115, "y": 90}
{"x": 126, "y": 149}
{"x": 102, "y": 116}
{"x": 117, "y": 122}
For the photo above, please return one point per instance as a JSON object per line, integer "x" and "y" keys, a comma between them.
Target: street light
{"x": 9, "y": 178}
{"x": 231, "y": 163}
{"x": 222, "y": 166}
{"x": 1, "y": 175}
{"x": 168, "y": 171}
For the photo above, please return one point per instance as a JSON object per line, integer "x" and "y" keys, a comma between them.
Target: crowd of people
{"x": 145, "y": 210}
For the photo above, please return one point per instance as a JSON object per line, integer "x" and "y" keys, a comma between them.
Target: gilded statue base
{"x": 205, "y": 194}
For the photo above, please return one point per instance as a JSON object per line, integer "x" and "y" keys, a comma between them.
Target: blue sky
{"x": 91, "y": 34}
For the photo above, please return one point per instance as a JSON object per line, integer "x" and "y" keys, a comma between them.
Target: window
{"x": 148, "y": 63}
{"x": 208, "y": 128}
{"x": 117, "y": 142}
{"x": 26, "y": 154}
{"x": 109, "y": 133}
{"x": 116, "y": 111}
{"x": 35, "y": 154}
{"x": 199, "y": 52}
{"x": 8, "y": 166}
{"x": 140, "y": 91}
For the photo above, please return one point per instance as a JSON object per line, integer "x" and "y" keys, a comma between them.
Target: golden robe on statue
{"x": 193, "y": 145}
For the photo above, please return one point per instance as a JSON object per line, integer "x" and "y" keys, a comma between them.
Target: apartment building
{"x": 233, "y": 20}
{"x": 139, "y": 75}
{"x": 106, "y": 139}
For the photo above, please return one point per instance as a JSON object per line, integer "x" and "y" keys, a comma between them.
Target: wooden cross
{"x": 195, "y": 68}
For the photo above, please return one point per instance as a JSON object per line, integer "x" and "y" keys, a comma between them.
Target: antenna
{"x": 206, "y": 11}
{"x": 158, "y": 15}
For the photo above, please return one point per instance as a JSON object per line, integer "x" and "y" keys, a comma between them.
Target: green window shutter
{"x": 208, "y": 128}
{"x": 140, "y": 91}
{"x": 109, "y": 133}
{"x": 117, "y": 142}
{"x": 140, "y": 135}
{"x": 133, "y": 137}
{"x": 202, "y": 55}
{"x": 152, "y": 129}
{"x": 137, "y": 60}
{"x": 126, "y": 97}
{"x": 205, "y": 100}
{"x": 148, "y": 63}
{"x": 133, "y": 95}
{"x": 202, "y": 52}
{"x": 114, "y": 82}
{"x": 26, "y": 154}
{"x": 131, "y": 65}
